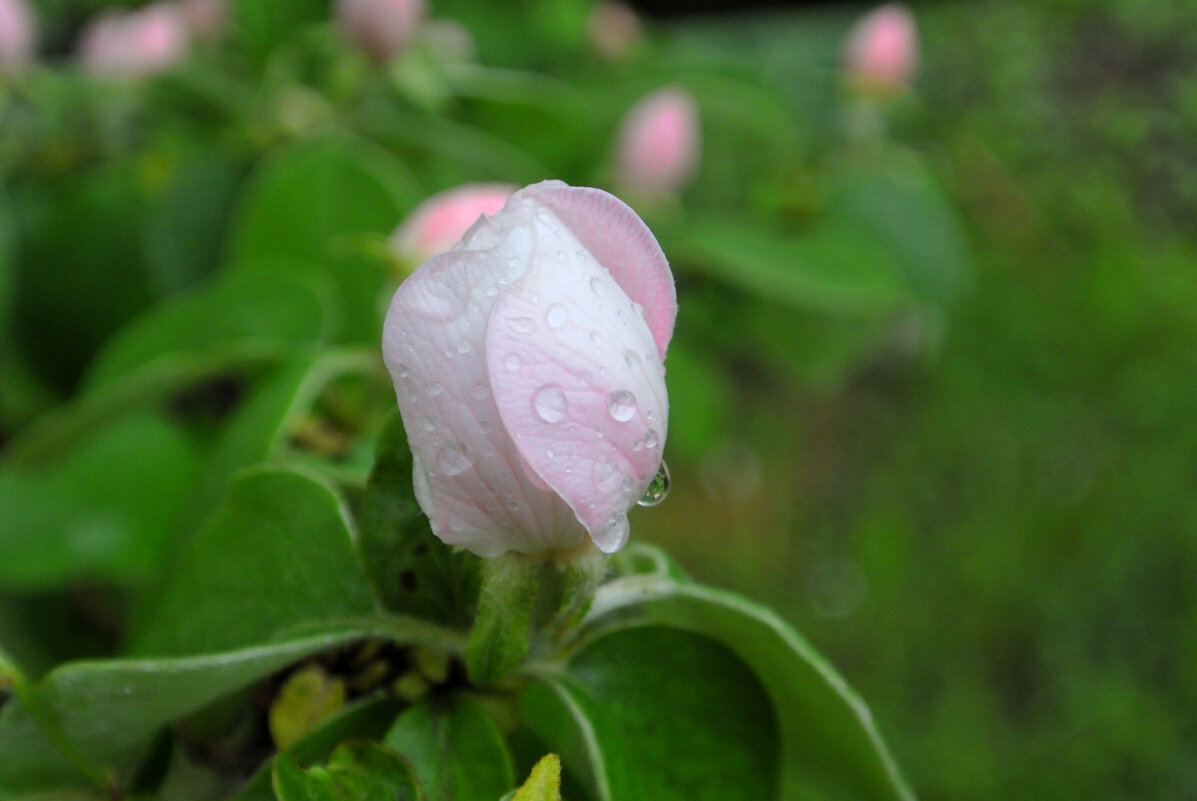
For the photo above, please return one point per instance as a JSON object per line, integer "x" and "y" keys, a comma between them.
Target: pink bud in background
{"x": 139, "y": 43}
{"x": 382, "y": 28}
{"x": 439, "y": 222}
{"x": 657, "y": 146}
{"x": 614, "y": 29}
{"x": 881, "y": 50}
{"x": 206, "y": 19}
{"x": 528, "y": 366}
{"x": 17, "y": 35}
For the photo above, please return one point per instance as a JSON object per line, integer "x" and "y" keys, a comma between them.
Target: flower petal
{"x": 470, "y": 479}
{"x": 622, "y": 243}
{"x": 578, "y": 381}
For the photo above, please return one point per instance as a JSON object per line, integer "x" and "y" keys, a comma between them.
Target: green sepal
{"x": 500, "y": 638}
{"x": 355, "y": 770}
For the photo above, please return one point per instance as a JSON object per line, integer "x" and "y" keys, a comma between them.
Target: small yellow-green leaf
{"x": 544, "y": 782}
{"x": 306, "y": 699}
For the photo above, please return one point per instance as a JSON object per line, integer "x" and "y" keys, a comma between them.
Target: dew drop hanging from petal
{"x": 658, "y": 489}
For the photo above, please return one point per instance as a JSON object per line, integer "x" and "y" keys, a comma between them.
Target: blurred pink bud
{"x": 657, "y": 147}
{"x": 138, "y": 43}
{"x": 881, "y": 50}
{"x": 614, "y": 29}
{"x": 528, "y": 367}
{"x": 206, "y": 19}
{"x": 440, "y": 221}
{"x": 382, "y": 28}
{"x": 17, "y": 35}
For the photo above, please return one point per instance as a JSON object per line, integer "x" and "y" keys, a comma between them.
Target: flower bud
{"x": 139, "y": 43}
{"x": 881, "y": 51}
{"x": 614, "y": 30}
{"x": 17, "y": 35}
{"x": 381, "y": 28}
{"x": 206, "y": 19}
{"x": 528, "y": 366}
{"x": 440, "y": 221}
{"x": 657, "y": 146}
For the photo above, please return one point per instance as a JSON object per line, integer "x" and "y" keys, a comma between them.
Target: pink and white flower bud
{"x": 614, "y": 29}
{"x": 206, "y": 19}
{"x": 528, "y": 366}
{"x": 18, "y": 35}
{"x": 881, "y": 50}
{"x": 139, "y": 43}
{"x": 439, "y": 222}
{"x": 381, "y": 28}
{"x": 657, "y": 145}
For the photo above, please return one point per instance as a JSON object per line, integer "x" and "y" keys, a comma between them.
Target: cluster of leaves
{"x": 200, "y": 560}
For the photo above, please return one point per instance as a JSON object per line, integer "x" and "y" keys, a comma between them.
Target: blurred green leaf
{"x": 830, "y": 268}
{"x": 357, "y": 771}
{"x": 105, "y": 511}
{"x": 831, "y": 746}
{"x": 263, "y": 24}
{"x": 656, "y": 713}
{"x": 899, "y": 205}
{"x": 82, "y": 270}
{"x": 307, "y": 196}
{"x": 184, "y": 228}
{"x": 314, "y": 204}
{"x": 456, "y": 751}
{"x": 260, "y": 315}
{"x": 410, "y": 569}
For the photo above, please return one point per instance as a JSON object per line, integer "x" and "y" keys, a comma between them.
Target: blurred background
{"x": 933, "y": 378}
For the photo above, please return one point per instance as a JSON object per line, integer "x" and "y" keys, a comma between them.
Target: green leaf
{"x": 899, "y": 205}
{"x": 264, "y": 315}
{"x": 106, "y": 511}
{"x": 499, "y": 639}
{"x": 832, "y": 747}
{"x": 656, "y": 713}
{"x": 356, "y": 771}
{"x": 456, "y": 751}
{"x": 544, "y": 782}
{"x": 264, "y": 24}
{"x": 183, "y": 231}
{"x": 321, "y": 204}
{"x": 277, "y": 554}
{"x": 410, "y": 569}
{"x": 306, "y": 197}
{"x": 88, "y": 719}
{"x": 830, "y": 268}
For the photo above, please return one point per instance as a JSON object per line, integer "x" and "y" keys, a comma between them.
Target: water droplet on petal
{"x": 549, "y": 403}
{"x": 617, "y": 528}
{"x": 636, "y": 307}
{"x": 638, "y": 446}
{"x": 549, "y": 452}
{"x": 524, "y": 325}
{"x": 513, "y": 362}
{"x": 606, "y": 476}
{"x": 402, "y": 370}
{"x": 452, "y": 459}
{"x": 434, "y": 388}
{"x": 484, "y": 427}
{"x": 479, "y": 391}
{"x": 428, "y": 424}
{"x": 491, "y": 291}
{"x": 651, "y": 438}
{"x": 631, "y": 359}
{"x": 622, "y": 406}
{"x": 658, "y": 488}
{"x": 556, "y": 316}
{"x": 513, "y": 262}
{"x": 627, "y": 485}
{"x": 464, "y": 347}
{"x": 596, "y": 337}
{"x": 585, "y": 377}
